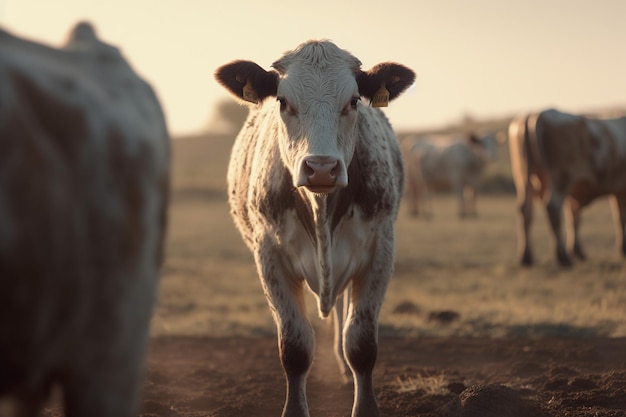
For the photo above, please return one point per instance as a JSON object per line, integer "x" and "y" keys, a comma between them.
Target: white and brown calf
{"x": 315, "y": 180}
{"x": 84, "y": 166}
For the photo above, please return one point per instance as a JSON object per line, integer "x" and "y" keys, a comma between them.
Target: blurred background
{"x": 474, "y": 60}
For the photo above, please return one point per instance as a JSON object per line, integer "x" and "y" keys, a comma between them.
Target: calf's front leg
{"x": 361, "y": 330}
{"x": 296, "y": 338}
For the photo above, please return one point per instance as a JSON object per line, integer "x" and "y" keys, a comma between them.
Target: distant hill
{"x": 200, "y": 161}
{"x": 501, "y": 124}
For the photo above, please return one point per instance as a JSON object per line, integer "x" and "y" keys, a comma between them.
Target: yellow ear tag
{"x": 381, "y": 97}
{"x": 249, "y": 93}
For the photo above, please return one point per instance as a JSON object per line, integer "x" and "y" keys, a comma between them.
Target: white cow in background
{"x": 84, "y": 168}
{"x": 446, "y": 162}
{"x": 315, "y": 181}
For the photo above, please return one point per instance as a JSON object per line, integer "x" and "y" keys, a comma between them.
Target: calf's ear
{"x": 384, "y": 82}
{"x": 247, "y": 81}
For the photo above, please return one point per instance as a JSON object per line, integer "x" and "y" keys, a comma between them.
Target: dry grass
{"x": 209, "y": 285}
{"x": 428, "y": 384}
{"x": 470, "y": 267}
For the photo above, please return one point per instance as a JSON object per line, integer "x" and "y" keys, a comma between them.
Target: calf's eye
{"x": 283, "y": 103}
{"x": 351, "y": 106}
{"x": 286, "y": 107}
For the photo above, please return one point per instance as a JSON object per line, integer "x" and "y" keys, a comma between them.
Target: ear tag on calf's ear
{"x": 381, "y": 97}
{"x": 249, "y": 94}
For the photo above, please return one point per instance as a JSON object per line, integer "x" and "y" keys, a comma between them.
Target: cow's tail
{"x": 521, "y": 149}
{"x": 531, "y": 147}
{"x": 528, "y": 152}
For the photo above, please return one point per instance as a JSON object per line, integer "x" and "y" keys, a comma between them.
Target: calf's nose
{"x": 320, "y": 174}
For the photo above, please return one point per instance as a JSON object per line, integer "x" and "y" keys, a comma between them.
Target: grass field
{"x": 463, "y": 270}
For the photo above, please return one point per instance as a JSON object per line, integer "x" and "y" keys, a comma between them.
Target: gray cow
{"x": 446, "y": 162}
{"x": 314, "y": 184}
{"x": 84, "y": 167}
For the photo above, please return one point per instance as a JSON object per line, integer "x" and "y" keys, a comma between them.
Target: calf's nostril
{"x": 308, "y": 169}
{"x": 321, "y": 168}
{"x": 320, "y": 171}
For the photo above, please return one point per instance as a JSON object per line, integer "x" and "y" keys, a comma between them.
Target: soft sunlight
{"x": 483, "y": 58}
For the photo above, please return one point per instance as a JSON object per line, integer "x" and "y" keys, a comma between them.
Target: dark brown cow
{"x": 315, "y": 181}
{"x": 564, "y": 158}
{"x": 84, "y": 157}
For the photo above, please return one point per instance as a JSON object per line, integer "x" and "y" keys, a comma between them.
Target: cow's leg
{"x": 427, "y": 202}
{"x": 361, "y": 332}
{"x": 554, "y": 208}
{"x": 296, "y": 338}
{"x": 106, "y": 383}
{"x": 412, "y": 193}
{"x": 28, "y": 405}
{"x": 102, "y": 393}
{"x": 339, "y": 318}
{"x": 525, "y": 218}
{"x": 576, "y": 220}
{"x": 459, "y": 190}
{"x": 618, "y": 205}
{"x": 469, "y": 194}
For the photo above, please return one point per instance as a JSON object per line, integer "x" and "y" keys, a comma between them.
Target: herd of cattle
{"x": 314, "y": 183}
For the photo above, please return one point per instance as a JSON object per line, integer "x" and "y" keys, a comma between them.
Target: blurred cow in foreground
{"x": 446, "y": 162}
{"x": 315, "y": 181}
{"x": 562, "y": 158}
{"x": 84, "y": 161}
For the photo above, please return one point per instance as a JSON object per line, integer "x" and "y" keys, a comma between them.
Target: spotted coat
{"x": 314, "y": 181}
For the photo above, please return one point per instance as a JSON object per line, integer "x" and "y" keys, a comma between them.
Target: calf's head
{"x": 318, "y": 89}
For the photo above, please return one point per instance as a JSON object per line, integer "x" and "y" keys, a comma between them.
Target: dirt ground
{"x": 228, "y": 377}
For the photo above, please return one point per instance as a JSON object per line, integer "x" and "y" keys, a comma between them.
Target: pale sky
{"x": 485, "y": 58}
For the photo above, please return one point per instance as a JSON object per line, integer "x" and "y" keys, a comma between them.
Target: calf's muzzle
{"x": 321, "y": 174}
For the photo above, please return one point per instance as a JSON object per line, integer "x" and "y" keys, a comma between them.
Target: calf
{"x": 561, "y": 158}
{"x": 314, "y": 183}
{"x": 446, "y": 162}
{"x": 84, "y": 156}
